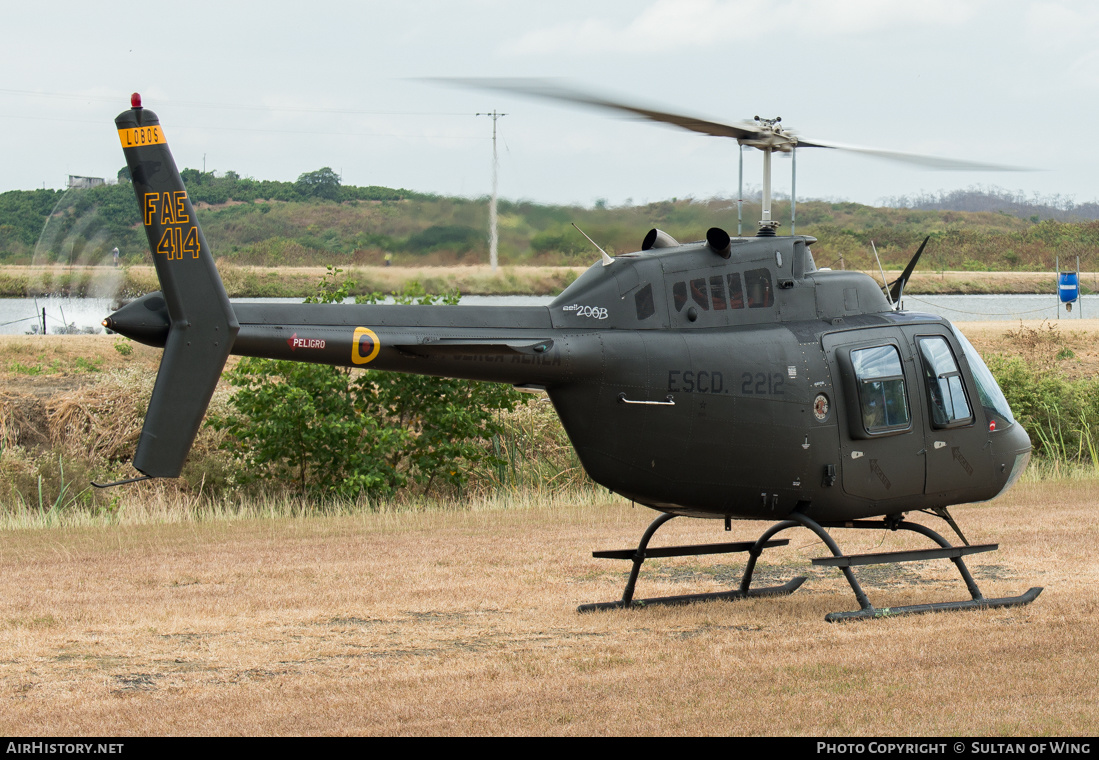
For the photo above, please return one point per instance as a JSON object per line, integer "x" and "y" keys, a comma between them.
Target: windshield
{"x": 992, "y": 398}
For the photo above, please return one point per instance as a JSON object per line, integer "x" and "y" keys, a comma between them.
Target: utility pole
{"x": 493, "y": 237}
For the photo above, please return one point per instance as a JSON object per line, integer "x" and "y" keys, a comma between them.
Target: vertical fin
{"x": 203, "y": 325}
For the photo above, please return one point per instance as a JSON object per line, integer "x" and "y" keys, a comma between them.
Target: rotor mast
{"x": 770, "y": 138}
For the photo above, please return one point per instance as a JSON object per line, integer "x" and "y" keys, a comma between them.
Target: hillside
{"x": 316, "y": 221}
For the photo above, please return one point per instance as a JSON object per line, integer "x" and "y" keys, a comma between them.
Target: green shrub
{"x": 345, "y": 433}
{"x": 1061, "y": 416}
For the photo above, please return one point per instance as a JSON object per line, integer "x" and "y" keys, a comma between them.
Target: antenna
{"x": 884, "y": 283}
{"x": 493, "y": 237}
{"x": 607, "y": 258}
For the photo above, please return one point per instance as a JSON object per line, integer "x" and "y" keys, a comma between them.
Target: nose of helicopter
{"x": 1011, "y": 452}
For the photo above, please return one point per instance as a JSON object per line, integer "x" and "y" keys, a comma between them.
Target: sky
{"x": 275, "y": 89}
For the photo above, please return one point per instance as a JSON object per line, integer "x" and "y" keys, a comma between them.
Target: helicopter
{"x": 728, "y": 378}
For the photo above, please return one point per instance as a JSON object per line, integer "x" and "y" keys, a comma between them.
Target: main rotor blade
{"x": 742, "y": 131}
{"x": 927, "y": 162}
{"x": 545, "y": 88}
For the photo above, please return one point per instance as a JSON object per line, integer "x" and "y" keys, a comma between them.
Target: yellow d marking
{"x": 135, "y": 137}
{"x": 365, "y": 346}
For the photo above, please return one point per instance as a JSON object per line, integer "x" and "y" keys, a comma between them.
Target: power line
{"x": 493, "y": 237}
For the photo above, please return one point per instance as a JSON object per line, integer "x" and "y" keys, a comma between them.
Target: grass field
{"x": 447, "y": 623}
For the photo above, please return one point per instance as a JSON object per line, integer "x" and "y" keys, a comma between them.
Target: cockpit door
{"x": 959, "y": 456}
{"x": 881, "y": 432}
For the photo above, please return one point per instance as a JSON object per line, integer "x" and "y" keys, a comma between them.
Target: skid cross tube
{"x": 639, "y": 555}
{"x": 838, "y": 559}
{"x": 800, "y": 520}
{"x": 947, "y": 551}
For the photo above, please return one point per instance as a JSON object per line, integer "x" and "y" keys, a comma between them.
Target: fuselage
{"x": 740, "y": 383}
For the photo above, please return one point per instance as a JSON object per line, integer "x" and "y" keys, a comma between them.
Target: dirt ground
{"x": 1067, "y": 347}
{"x": 465, "y": 623}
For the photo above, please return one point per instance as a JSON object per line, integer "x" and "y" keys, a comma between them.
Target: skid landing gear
{"x": 643, "y": 552}
{"x": 838, "y": 559}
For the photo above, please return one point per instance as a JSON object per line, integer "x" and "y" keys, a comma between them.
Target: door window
{"x": 646, "y": 307}
{"x": 882, "y": 398}
{"x": 679, "y": 295}
{"x": 949, "y": 404}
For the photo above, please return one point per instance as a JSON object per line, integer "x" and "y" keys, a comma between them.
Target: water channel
{"x": 24, "y": 315}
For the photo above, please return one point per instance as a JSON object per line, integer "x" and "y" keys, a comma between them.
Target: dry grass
{"x": 965, "y": 283}
{"x": 289, "y": 281}
{"x": 1068, "y": 348}
{"x": 464, "y": 623}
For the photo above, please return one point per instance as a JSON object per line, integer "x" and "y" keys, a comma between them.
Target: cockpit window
{"x": 699, "y": 294}
{"x": 679, "y": 295}
{"x": 717, "y": 290}
{"x": 882, "y": 397}
{"x": 736, "y": 291}
{"x": 646, "y": 307}
{"x": 992, "y": 398}
{"x": 758, "y": 284}
{"x": 949, "y": 405}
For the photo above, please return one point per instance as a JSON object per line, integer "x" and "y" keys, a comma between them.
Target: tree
{"x": 323, "y": 183}
{"x": 343, "y": 433}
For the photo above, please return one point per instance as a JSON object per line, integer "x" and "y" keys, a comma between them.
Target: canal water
{"x": 25, "y": 315}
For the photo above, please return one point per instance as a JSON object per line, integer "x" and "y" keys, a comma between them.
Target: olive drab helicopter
{"x": 728, "y": 378}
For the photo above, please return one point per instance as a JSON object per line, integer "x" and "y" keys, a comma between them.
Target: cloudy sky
{"x": 275, "y": 89}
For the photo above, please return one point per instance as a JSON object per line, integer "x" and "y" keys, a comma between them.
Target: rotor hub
{"x": 770, "y": 136}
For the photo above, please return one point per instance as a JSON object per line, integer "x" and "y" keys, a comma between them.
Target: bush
{"x": 1061, "y": 416}
{"x": 346, "y": 433}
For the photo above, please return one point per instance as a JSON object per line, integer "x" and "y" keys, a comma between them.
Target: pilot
{"x": 873, "y": 415}
{"x": 938, "y": 405}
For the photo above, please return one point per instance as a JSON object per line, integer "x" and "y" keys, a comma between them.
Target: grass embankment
{"x": 71, "y": 410}
{"x": 290, "y": 282}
